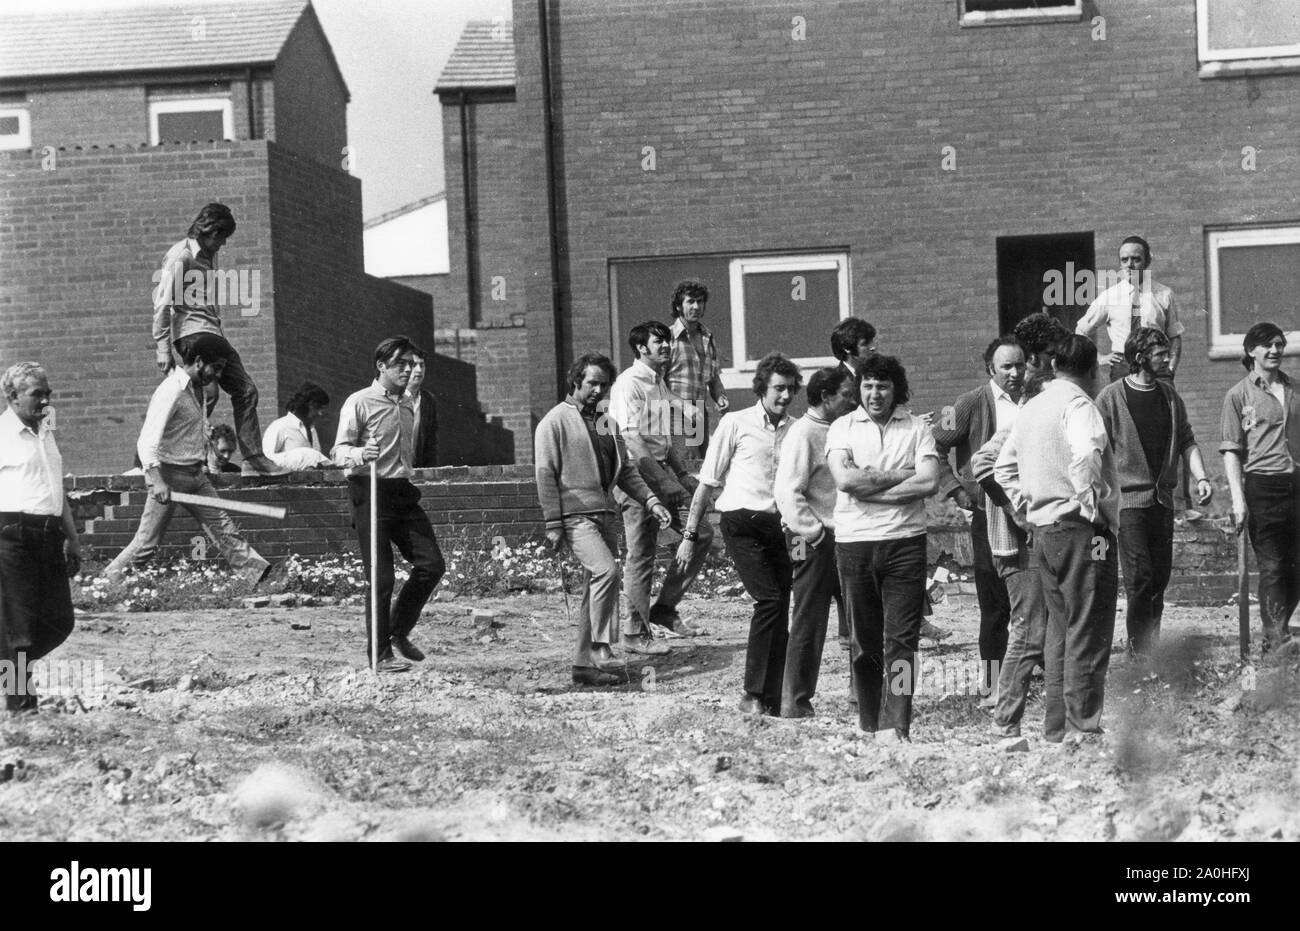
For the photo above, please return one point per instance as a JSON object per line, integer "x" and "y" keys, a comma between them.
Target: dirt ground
{"x": 244, "y": 727}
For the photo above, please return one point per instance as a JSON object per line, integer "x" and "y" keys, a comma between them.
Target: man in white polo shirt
{"x": 885, "y": 465}
{"x": 744, "y": 455}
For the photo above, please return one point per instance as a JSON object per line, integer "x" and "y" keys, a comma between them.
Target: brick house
{"x": 920, "y": 163}
{"x": 118, "y": 127}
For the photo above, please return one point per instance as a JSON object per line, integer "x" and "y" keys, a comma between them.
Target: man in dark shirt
{"x": 1149, "y": 433}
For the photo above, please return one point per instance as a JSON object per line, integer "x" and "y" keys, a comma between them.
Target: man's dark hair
{"x": 826, "y": 382}
{"x": 1141, "y": 342}
{"x": 578, "y": 370}
{"x": 847, "y": 334}
{"x": 774, "y": 363}
{"x": 1039, "y": 333}
{"x": 392, "y": 347}
{"x": 1258, "y": 335}
{"x": 885, "y": 368}
{"x": 1146, "y": 248}
{"x": 213, "y": 220}
{"x": 641, "y": 333}
{"x": 224, "y": 431}
{"x": 310, "y": 393}
{"x": 208, "y": 346}
{"x": 685, "y": 289}
{"x": 1076, "y": 355}
{"x": 995, "y": 346}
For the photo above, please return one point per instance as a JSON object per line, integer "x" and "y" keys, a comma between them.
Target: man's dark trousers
{"x": 1080, "y": 573}
{"x": 756, "y": 544}
{"x": 1146, "y": 555}
{"x": 402, "y": 523}
{"x": 816, "y": 583}
{"x": 883, "y": 584}
{"x": 35, "y": 602}
{"x": 1273, "y": 522}
{"x": 995, "y": 603}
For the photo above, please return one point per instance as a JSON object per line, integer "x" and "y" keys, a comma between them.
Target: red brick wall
{"x": 766, "y": 143}
{"x": 502, "y": 367}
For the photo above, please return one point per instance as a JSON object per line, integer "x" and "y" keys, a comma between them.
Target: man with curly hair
{"x": 693, "y": 372}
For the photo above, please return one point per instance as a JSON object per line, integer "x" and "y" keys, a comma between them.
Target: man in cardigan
{"x": 580, "y": 458}
{"x": 1058, "y": 469}
{"x": 963, "y": 429}
{"x": 1149, "y": 433}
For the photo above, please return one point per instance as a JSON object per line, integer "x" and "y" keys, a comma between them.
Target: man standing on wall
{"x": 184, "y": 307}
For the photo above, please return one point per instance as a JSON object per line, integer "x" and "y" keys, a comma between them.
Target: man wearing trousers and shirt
{"x": 805, "y": 497}
{"x": 884, "y": 463}
{"x": 1058, "y": 469}
{"x": 743, "y": 460}
{"x": 39, "y": 549}
{"x": 377, "y": 424}
{"x": 580, "y": 459}
{"x": 173, "y": 450}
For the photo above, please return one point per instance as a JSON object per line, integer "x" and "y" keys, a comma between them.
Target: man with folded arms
{"x": 1058, "y": 469}
{"x": 1149, "y": 433}
{"x": 805, "y": 497}
{"x": 580, "y": 459}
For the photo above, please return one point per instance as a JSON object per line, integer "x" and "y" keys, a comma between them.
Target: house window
{"x": 1247, "y": 37}
{"x": 1253, "y": 275}
{"x": 15, "y": 128}
{"x": 190, "y": 120}
{"x": 757, "y": 304}
{"x": 1015, "y": 12}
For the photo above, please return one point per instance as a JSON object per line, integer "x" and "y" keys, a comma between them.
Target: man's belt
{"x": 44, "y": 522}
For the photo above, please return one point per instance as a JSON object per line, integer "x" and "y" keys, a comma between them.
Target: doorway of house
{"x": 1044, "y": 272}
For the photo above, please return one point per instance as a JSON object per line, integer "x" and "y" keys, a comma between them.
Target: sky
{"x": 390, "y": 53}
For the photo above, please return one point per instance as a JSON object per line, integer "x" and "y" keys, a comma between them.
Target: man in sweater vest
{"x": 805, "y": 498}
{"x": 963, "y": 429}
{"x": 1057, "y": 468}
{"x": 580, "y": 458}
{"x": 1149, "y": 434}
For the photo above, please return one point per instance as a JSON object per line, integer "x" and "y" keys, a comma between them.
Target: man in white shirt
{"x": 1058, "y": 470}
{"x": 292, "y": 442}
{"x": 805, "y": 497}
{"x": 884, "y": 463}
{"x": 744, "y": 456}
{"x": 645, "y": 412}
{"x": 173, "y": 449}
{"x": 1135, "y": 301}
{"x": 39, "y": 549}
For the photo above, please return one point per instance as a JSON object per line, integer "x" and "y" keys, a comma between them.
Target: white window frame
{"x": 1228, "y": 345}
{"x": 741, "y": 374}
{"x": 1066, "y": 11}
{"x": 1264, "y": 59}
{"x": 192, "y": 105}
{"x": 23, "y": 140}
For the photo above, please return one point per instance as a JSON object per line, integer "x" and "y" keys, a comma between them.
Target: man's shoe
{"x": 752, "y": 704}
{"x": 408, "y": 649}
{"x": 589, "y": 675}
{"x": 644, "y": 645}
{"x": 389, "y": 664}
{"x": 891, "y": 735}
{"x": 603, "y": 658}
{"x": 1002, "y": 731}
{"x": 262, "y": 463}
{"x": 795, "y": 711}
{"x": 931, "y": 632}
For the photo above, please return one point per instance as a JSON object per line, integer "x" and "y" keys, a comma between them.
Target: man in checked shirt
{"x": 693, "y": 373}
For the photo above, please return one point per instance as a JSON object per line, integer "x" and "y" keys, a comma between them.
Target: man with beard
{"x": 580, "y": 459}
{"x": 1149, "y": 432}
{"x": 963, "y": 429}
{"x": 743, "y": 460}
{"x": 173, "y": 450}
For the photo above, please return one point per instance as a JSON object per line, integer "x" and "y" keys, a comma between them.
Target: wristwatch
{"x": 690, "y": 535}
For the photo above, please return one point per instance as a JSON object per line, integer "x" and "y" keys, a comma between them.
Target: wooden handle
{"x": 230, "y": 504}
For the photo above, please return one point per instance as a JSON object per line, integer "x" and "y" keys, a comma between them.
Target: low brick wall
{"x": 477, "y": 503}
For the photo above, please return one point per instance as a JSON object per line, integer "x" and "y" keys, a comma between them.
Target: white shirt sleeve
{"x": 1006, "y": 470}
{"x": 1085, "y": 433}
{"x": 722, "y": 447}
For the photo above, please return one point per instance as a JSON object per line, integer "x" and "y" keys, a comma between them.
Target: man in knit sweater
{"x": 1058, "y": 469}
{"x": 580, "y": 458}
{"x": 805, "y": 498}
{"x": 1149, "y": 433}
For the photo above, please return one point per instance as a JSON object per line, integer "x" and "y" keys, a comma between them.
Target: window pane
{"x": 645, "y": 291}
{"x": 776, "y": 320}
{"x": 8, "y": 126}
{"x": 1259, "y": 283}
{"x": 986, "y": 6}
{"x": 1232, "y": 24}
{"x": 199, "y": 125}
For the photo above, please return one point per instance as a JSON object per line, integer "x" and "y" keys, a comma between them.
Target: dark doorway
{"x": 1044, "y": 273}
